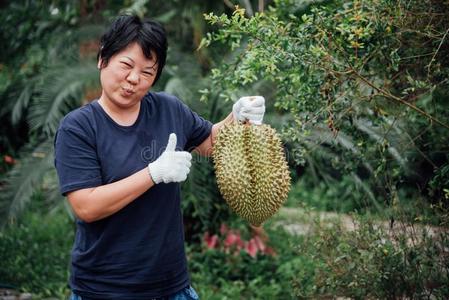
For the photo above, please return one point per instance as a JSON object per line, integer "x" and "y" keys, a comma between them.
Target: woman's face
{"x": 127, "y": 77}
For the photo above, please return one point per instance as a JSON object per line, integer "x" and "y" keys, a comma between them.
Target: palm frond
{"x": 367, "y": 190}
{"x": 341, "y": 139}
{"x": 50, "y": 183}
{"x": 374, "y": 133}
{"x": 66, "y": 43}
{"x": 21, "y": 103}
{"x": 322, "y": 134}
{"x": 53, "y": 198}
{"x": 23, "y": 180}
{"x": 316, "y": 152}
{"x": 62, "y": 90}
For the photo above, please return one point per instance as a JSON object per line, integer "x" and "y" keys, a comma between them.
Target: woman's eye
{"x": 148, "y": 74}
{"x": 126, "y": 64}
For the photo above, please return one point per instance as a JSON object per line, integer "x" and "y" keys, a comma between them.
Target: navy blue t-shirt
{"x": 138, "y": 252}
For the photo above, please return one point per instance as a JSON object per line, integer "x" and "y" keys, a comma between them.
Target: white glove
{"x": 172, "y": 165}
{"x": 250, "y": 108}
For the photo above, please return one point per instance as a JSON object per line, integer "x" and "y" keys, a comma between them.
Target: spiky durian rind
{"x": 252, "y": 172}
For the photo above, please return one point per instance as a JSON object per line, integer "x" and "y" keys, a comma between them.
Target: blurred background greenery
{"x": 359, "y": 91}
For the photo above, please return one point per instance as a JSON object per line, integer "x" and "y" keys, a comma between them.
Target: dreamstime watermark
{"x": 153, "y": 151}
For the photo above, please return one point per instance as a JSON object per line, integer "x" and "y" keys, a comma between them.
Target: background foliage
{"x": 365, "y": 97}
{"x": 35, "y": 253}
{"x": 358, "y": 90}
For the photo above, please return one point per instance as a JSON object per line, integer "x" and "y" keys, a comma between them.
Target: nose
{"x": 133, "y": 77}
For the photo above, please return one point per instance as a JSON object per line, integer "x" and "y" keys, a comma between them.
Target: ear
{"x": 99, "y": 63}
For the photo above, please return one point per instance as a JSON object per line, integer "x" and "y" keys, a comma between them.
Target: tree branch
{"x": 261, "y": 5}
{"x": 436, "y": 52}
{"x": 229, "y": 4}
{"x": 397, "y": 99}
{"x": 248, "y": 8}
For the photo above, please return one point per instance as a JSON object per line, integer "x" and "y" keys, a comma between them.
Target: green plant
{"x": 374, "y": 262}
{"x": 364, "y": 84}
{"x": 49, "y": 72}
{"x": 227, "y": 269}
{"x": 49, "y": 68}
{"x": 35, "y": 253}
{"x": 344, "y": 195}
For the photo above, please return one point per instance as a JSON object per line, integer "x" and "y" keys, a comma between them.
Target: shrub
{"x": 371, "y": 262}
{"x": 225, "y": 266}
{"x": 35, "y": 254}
{"x": 364, "y": 84}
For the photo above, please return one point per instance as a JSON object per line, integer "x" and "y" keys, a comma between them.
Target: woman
{"x": 120, "y": 160}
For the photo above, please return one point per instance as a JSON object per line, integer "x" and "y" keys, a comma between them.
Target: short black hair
{"x": 127, "y": 29}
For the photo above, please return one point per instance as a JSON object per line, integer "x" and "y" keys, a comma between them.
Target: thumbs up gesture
{"x": 172, "y": 165}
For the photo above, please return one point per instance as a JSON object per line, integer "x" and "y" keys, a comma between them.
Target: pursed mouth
{"x": 128, "y": 91}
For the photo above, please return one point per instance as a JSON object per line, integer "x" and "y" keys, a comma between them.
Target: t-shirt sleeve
{"x": 76, "y": 160}
{"x": 197, "y": 129}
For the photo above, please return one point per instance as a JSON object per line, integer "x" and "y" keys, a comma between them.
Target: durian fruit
{"x": 252, "y": 172}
